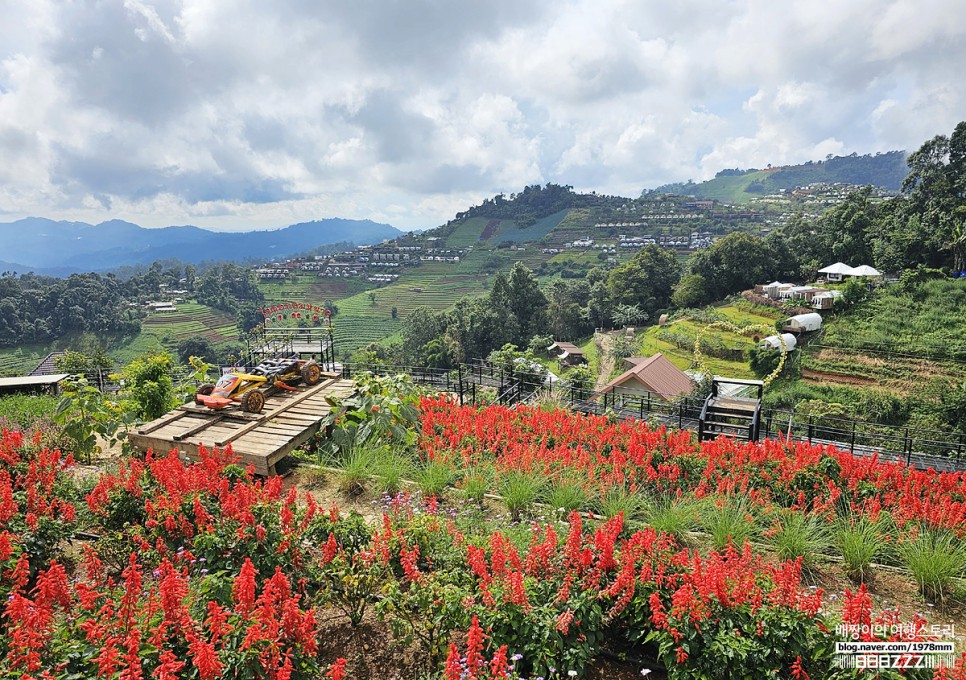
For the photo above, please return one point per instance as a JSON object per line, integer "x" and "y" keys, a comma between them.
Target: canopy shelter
{"x": 835, "y": 272}
{"x": 775, "y": 342}
{"x": 803, "y": 323}
{"x": 866, "y": 270}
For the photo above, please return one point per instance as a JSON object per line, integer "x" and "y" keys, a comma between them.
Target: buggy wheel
{"x": 203, "y": 391}
{"x": 311, "y": 373}
{"x": 253, "y": 402}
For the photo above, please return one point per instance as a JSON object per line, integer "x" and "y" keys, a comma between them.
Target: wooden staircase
{"x": 732, "y": 409}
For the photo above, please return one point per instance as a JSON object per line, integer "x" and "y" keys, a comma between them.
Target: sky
{"x": 252, "y": 114}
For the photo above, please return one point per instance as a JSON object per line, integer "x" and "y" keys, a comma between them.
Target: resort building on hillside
{"x": 567, "y": 353}
{"x": 655, "y": 374}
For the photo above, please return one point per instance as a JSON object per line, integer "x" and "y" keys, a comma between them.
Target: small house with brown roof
{"x": 567, "y": 353}
{"x": 655, "y": 374}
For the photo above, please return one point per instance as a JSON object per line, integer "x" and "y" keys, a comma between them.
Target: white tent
{"x": 773, "y": 342}
{"x": 866, "y": 270}
{"x": 802, "y": 323}
{"x": 839, "y": 268}
{"x": 835, "y": 272}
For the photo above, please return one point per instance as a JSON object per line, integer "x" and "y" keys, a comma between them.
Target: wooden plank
{"x": 277, "y": 430}
{"x": 160, "y": 422}
{"x": 277, "y": 438}
{"x": 316, "y": 410}
{"x": 234, "y": 412}
{"x": 296, "y": 419}
{"x": 181, "y": 436}
{"x": 318, "y": 388}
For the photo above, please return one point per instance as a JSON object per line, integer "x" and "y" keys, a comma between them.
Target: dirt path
{"x": 605, "y": 357}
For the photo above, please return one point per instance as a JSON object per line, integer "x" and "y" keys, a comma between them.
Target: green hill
{"x": 883, "y": 170}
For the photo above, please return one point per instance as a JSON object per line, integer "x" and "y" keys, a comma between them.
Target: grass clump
{"x": 934, "y": 558}
{"x": 674, "y": 517}
{"x": 729, "y": 521}
{"x": 801, "y": 536}
{"x": 355, "y": 470}
{"x": 476, "y": 483}
{"x": 566, "y": 495}
{"x": 618, "y": 501}
{"x": 391, "y": 468}
{"x": 860, "y": 542}
{"x": 520, "y": 491}
{"x": 434, "y": 478}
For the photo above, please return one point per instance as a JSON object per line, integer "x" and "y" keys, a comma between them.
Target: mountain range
{"x": 57, "y": 248}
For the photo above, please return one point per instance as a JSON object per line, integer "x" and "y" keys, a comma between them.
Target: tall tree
{"x": 527, "y": 303}
{"x": 646, "y": 280}
{"x": 737, "y": 262}
{"x": 936, "y": 191}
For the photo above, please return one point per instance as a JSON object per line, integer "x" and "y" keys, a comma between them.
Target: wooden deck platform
{"x": 288, "y": 420}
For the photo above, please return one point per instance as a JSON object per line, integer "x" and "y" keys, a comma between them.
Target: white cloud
{"x": 250, "y": 114}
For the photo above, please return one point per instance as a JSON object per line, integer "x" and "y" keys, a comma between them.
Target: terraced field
{"x": 164, "y": 331}
{"x": 683, "y": 357}
{"x": 15, "y": 361}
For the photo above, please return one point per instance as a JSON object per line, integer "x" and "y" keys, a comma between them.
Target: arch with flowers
{"x": 740, "y": 330}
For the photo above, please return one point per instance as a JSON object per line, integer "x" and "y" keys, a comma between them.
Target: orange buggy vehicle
{"x": 249, "y": 390}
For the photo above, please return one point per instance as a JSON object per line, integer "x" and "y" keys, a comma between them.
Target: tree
{"x": 936, "y": 191}
{"x": 372, "y": 297}
{"x": 421, "y": 326}
{"x": 691, "y": 291}
{"x": 197, "y": 346}
{"x": 148, "y": 385}
{"x": 736, "y": 262}
{"x": 844, "y": 231}
{"x": 646, "y": 280}
{"x": 475, "y": 329}
{"x": 628, "y": 315}
{"x": 247, "y": 317}
{"x": 527, "y": 303}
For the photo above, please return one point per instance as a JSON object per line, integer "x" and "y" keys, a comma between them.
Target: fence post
{"x": 811, "y": 429}
{"x": 907, "y": 446}
{"x": 641, "y": 402}
{"x": 460, "y": 369}
{"x": 474, "y": 394}
{"x": 681, "y": 413}
{"x": 852, "y": 442}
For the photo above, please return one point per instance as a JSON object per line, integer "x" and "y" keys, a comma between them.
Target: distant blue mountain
{"x": 46, "y": 246}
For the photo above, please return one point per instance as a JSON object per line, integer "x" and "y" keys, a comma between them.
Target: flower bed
{"x": 204, "y": 571}
{"x": 629, "y": 455}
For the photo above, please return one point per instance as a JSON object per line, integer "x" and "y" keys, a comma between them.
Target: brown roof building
{"x": 652, "y": 374}
{"x": 567, "y": 353}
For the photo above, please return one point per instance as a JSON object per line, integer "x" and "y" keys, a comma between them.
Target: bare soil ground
{"x": 605, "y": 354}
